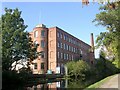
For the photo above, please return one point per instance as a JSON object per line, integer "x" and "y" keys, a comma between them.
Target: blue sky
{"x": 69, "y": 16}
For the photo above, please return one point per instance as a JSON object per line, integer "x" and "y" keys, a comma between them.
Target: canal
{"x": 48, "y": 84}
{"x": 56, "y": 84}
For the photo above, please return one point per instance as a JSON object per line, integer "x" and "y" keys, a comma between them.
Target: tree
{"x": 78, "y": 69}
{"x": 16, "y": 43}
{"x": 104, "y": 67}
{"x": 110, "y": 3}
{"x": 110, "y": 18}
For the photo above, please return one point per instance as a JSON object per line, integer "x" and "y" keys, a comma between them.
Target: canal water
{"x": 56, "y": 85}
{"x": 49, "y": 85}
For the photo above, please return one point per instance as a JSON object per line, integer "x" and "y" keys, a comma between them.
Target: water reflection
{"x": 58, "y": 84}
{"x": 49, "y": 86}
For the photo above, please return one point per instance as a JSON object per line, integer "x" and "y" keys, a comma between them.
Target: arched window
{"x": 36, "y": 34}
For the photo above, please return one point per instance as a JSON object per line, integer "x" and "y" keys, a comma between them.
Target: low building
{"x": 58, "y": 47}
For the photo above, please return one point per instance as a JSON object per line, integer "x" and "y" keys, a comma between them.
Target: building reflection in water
{"x": 49, "y": 86}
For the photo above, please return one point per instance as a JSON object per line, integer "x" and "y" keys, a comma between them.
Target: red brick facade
{"x": 59, "y": 47}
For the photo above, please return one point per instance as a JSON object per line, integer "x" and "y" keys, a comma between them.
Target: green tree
{"x": 78, "y": 69}
{"x": 16, "y": 43}
{"x": 110, "y": 18}
{"x": 70, "y": 66}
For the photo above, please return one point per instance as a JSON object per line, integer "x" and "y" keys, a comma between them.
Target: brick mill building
{"x": 58, "y": 47}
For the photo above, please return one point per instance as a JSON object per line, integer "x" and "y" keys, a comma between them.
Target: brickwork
{"x": 59, "y": 48}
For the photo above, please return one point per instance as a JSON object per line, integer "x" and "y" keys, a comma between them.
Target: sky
{"x": 69, "y": 16}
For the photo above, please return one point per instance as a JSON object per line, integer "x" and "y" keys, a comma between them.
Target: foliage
{"x": 14, "y": 80}
{"x": 110, "y": 18}
{"x": 11, "y": 77}
{"x": 16, "y": 43}
{"x": 78, "y": 69}
{"x": 72, "y": 84}
{"x": 104, "y": 67}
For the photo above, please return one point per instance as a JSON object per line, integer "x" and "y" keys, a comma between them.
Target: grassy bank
{"x": 99, "y": 83}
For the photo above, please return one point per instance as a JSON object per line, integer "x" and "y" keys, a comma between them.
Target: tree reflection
{"x": 72, "y": 83}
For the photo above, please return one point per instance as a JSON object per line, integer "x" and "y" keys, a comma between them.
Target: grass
{"x": 99, "y": 83}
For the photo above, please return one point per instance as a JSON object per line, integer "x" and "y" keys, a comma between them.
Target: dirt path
{"x": 112, "y": 82}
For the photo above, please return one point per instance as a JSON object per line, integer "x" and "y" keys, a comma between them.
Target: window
{"x": 64, "y": 37}
{"x": 74, "y": 50}
{"x": 81, "y": 51}
{"x": 58, "y": 55}
{"x": 71, "y": 48}
{"x": 74, "y": 41}
{"x": 69, "y": 40}
{"x": 61, "y": 55}
{"x": 42, "y": 65}
{"x": 61, "y": 35}
{"x": 58, "y": 34}
{"x": 64, "y": 56}
{"x": 72, "y": 57}
{"x": 61, "y": 45}
{"x": 42, "y": 54}
{"x": 36, "y": 34}
{"x": 67, "y": 56}
{"x": 42, "y": 43}
{"x": 67, "y": 46}
{"x": 35, "y": 65}
{"x": 43, "y": 33}
{"x": 78, "y": 44}
{"x": 64, "y": 45}
{"x": 58, "y": 44}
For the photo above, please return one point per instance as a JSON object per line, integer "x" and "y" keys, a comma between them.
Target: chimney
{"x": 92, "y": 57}
{"x": 92, "y": 43}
